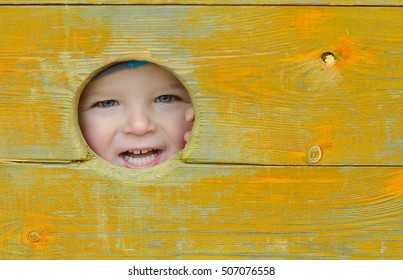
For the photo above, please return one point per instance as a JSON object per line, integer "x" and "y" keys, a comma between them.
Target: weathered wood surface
{"x": 242, "y": 188}
{"x": 262, "y": 91}
{"x": 213, "y": 2}
{"x": 201, "y": 211}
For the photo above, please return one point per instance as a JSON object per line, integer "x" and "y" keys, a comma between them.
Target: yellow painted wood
{"x": 267, "y": 92}
{"x": 200, "y": 211}
{"x": 214, "y": 2}
{"x": 262, "y": 91}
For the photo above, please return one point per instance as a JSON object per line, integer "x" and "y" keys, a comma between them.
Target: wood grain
{"x": 201, "y": 212}
{"x": 262, "y": 91}
{"x": 277, "y": 89}
{"x": 212, "y": 2}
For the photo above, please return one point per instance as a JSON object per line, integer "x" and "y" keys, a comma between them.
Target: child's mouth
{"x": 141, "y": 158}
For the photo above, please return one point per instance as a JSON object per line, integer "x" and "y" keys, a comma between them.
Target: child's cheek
{"x": 94, "y": 132}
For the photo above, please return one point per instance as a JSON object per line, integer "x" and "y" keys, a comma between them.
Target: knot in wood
{"x": 34, "y": 236}
{"x": 314, "y": 154}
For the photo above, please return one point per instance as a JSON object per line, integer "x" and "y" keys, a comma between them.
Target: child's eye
{"x": 166, "y": 98}
{"x": 106, "y": 103}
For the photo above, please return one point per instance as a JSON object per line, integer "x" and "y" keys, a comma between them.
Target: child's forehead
{"x": 146, "y": 76}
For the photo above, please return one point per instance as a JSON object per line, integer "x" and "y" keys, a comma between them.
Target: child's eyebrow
{"x": 101, "y": 91}
{"x": 176, "y": 85}
{"x": 95, "y": 96}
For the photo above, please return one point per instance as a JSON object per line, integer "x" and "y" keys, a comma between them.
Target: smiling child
{"x": 136, "y": 114}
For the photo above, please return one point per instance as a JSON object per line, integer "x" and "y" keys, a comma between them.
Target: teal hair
{"x": 120, "y": 66}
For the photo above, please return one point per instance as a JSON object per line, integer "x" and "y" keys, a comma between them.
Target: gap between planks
{"x": 66, "y": 162}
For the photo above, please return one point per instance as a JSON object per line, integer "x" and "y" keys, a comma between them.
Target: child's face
{"x": 135, "y": 117}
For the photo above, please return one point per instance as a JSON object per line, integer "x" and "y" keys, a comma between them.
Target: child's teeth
{"x": 140, "y": 161}
{"x": 139, "y": 152}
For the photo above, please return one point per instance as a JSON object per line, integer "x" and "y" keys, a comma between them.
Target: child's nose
{"x": 139, "y": 123}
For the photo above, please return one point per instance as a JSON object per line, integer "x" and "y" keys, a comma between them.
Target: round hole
{"x": 329, "y": 58}
{"x": 135, "y": 114}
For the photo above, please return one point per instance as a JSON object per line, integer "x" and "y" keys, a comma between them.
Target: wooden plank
{"x": 262, "y": 92}
{"x": 213, "y": 2}
{"x": 200, "y": 211}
